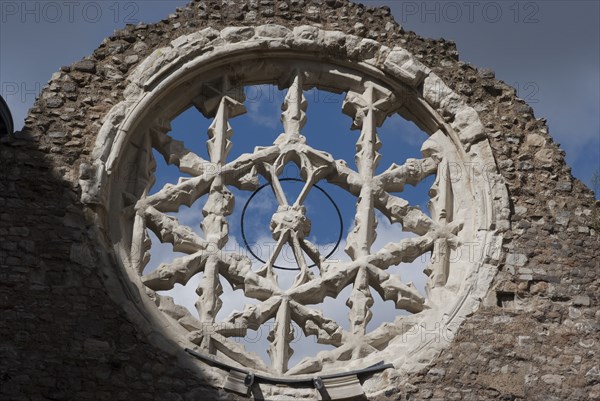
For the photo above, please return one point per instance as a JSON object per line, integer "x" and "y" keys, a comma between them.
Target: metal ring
{"x": 249, "y": 379}
{"x": 337, "y": 209}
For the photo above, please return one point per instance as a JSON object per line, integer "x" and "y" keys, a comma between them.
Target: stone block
{"x": 271, "y": 31}
{"x": 237, "y": 34}
{"x": 581, "y": 300}
{"x": 85, "y": 66}
{"x": 516, "y": 259}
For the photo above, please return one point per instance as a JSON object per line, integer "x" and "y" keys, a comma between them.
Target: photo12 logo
{"x": 20, "y": 92}
{"x": 52, "y": 12}
{"x": 470, "y": 11}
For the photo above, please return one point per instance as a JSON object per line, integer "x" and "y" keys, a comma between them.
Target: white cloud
{"x": 263, "y": 105}
{"x": 407, "y": 131}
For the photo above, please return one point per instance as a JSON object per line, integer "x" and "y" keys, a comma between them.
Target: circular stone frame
{"x": 425, "y": 99}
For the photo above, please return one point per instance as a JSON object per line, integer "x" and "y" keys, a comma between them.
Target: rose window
{"x": 366, "y": 272}
{"x": 461, "y": 218}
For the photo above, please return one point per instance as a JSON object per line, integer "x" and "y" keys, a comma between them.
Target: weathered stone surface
{"x": 272, "y": 31}
{"x": 544, "y": 157}
{"x": 469, "y": 127}
{"x": 237, "y": 34}
{"x": 535, "y": 140}
{"x": 402, "y": 63}
{"x": 565, "y": 186}
{"x": 129, "y": 60}
{"x": 581, "y": 300}
{"x": 69, "y": 87}
{"x": 438, "y": 94}
{"x": 56, "y": 134}
{"x": 563, "y": 218}
{"x": 486, "y": 73}
{"x": 334, "y": 40}
{"x": 85, "y": 66}
{"x": 54, "y": 102}
{"x": 516, "y": 259}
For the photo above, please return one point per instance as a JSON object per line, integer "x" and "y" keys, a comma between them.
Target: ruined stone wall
{"x": 62, "y": 337}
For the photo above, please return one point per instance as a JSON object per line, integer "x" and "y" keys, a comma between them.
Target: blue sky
{"x": 548, "y": 50}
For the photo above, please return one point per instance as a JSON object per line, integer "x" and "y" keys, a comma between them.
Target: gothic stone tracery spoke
{"x": 290, "y": 225}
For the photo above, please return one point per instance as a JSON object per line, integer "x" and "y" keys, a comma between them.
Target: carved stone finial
{"x": 375, "y": 100}
{"x": 294, "y": 107}
{"x": 368, "y": 112}
{"x": 280, "y": 337}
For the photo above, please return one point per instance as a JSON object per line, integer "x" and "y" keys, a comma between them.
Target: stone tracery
{"x": 290, "y": 225}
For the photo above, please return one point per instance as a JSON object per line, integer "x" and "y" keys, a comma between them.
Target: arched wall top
{"x": 542, "y": 299}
